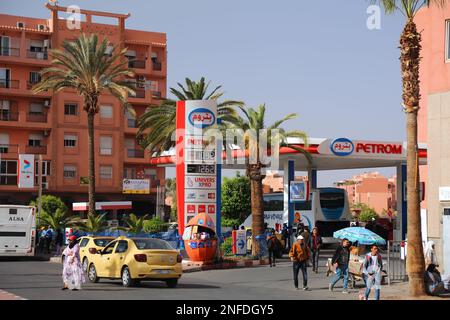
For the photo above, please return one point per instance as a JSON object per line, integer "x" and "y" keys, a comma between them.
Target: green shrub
{"x": 229, "y": 222}
{"x": 226, "y": 247}
{"x": 154, "y": 224}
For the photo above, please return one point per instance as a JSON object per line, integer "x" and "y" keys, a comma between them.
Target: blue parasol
{"x": 360, "y": 234}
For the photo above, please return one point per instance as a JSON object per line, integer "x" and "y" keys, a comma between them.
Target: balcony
{"x": 136, "y": 153}
{"x": 156, "y": 94}
{"x": 9, "y": 148}
{"x": 9, "y": 52}
{"x": 9, "y": 84}
{"x": 37, "y": 55}
{"x": 36, "y": 149}
{"x": 139, "y": 93}
{"x": 37, "y": 117}
{"x": 137, "y": 64}
{"x": 6, "y": 115}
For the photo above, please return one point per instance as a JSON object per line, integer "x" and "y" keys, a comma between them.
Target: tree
{"x": 54, "y": 212}
{"x": 236, "y": 198}
{"x": 93, "y": 223}
{"x": 86, "y": 66}
{"x": 410, "y": 46}
{"x": 157, "y": 125}
{"x": 135, "y": 224}
{"x": 153, "y": 225}
{"x": 367, "y": 213}
{"x": 252, "y": 123}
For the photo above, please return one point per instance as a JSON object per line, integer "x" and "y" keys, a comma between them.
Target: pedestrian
{"x": 341, "y": 260}
{"x": 433, "y": 283}
{"x": 285, "y": 236}
{"x": 299, "y": 255}
{"x": 306, "y": 235}
{"x": 59, "y": 241}
{"x": 73, "y": 274}
{"x": 272, "y": 247}
{"x": 430, "y": 255}
{"x": 48, "y": 238}
{"x": 372, "y": 272}
{"x": 41, "y": 243}
{"x": 315, "y": 246}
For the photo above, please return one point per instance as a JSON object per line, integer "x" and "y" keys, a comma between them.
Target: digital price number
{"x": 201, "y": 168}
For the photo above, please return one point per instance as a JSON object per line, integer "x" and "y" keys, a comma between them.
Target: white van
{"x": 17, "y": 230}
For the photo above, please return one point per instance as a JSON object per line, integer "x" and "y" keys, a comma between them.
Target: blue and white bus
{"x": 327, "y": 209}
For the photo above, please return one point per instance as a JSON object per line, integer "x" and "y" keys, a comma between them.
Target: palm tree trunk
{"x": 254, "y": 173}
{"x": 410, "y": 61}
{"x": 91, "y": 163}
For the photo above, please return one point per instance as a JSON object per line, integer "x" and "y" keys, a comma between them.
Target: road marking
{"x": 9, "y": 296}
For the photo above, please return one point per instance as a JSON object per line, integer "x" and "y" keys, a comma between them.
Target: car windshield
{"x": 144, "y": 244}
{"x": 102, "y": 242}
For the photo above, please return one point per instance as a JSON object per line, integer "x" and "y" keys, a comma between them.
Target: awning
{"x": 111, "y": 205}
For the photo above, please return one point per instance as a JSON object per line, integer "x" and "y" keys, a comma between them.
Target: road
{"x": 42, "y": 280}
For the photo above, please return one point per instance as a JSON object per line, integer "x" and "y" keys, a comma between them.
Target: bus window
{"x": 332, "y": 200}
{"x": 273, "y": 202}
{"x": 303, "y": 205}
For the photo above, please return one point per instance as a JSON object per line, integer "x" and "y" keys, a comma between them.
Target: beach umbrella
{"x": 360, "y": 234}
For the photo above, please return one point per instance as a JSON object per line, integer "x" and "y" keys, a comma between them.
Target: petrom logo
{"x": 201, "y": 118}
{"x": 16, "y": 219}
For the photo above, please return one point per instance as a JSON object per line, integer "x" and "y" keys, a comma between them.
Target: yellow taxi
{"x": 88, "y": 246}
{"x": 136, "y": 259}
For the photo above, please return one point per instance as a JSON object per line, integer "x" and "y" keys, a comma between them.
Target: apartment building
{"x": 54, "y": 125}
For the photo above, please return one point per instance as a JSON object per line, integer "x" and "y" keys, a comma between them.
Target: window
{"x": 36, "y": 108}
{"x": 45, "y": 168}
{"x": 106, "y": 145}
{"x": 35, "y": 140}
{"x": 35, "y": 77}
{"x": 5, "y": 78}
{"x": 129, "y": 173}
{"x": 36, "y": 46}
{"x": 149, "y": 174}
{"x": 106, "y": 112}
{"x": 146, "y": 244}
{"x": 122, "y": 247}
{"x": 106, "y": 172}
{"x": 447, "y": 40}
{"x": 8, "y": 172}
{"x": 109, "y": 248}
{"x": 70, "y": 140}
{"x": 70, "y": 109}
{"x": 4, "y": 46}
{"x": 102, "y": 242}
{"x": 84, "y": 242}
{"x": 70, "y": 171}
{"x": 4, "y": 142}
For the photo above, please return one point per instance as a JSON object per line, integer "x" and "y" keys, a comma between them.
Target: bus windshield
{"x": 332, "y": 200}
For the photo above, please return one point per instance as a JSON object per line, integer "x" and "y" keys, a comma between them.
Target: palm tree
{"x": 57, "y": 220}
{"x": 135, "y": 224}
{"x": 86, "y": 66}
{"x": 157, "y": 125}
{"x": 93, "y": 223}
{"x": 410, "y": 46}
{"x": 253, "y": 120}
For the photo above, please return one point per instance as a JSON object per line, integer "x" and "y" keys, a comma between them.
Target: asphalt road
{"x": 42, "y": 280}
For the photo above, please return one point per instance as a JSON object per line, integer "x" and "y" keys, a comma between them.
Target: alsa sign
{"x": 201, "y": 118}
{"x": 344, "y": 147}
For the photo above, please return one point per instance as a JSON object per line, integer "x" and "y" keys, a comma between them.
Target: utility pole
{"x": 40, "y": 189}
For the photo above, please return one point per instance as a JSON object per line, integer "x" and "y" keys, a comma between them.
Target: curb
{"x": 4, "y": 295}
{"x": 55, "y": 259}
{"x": 224, "y": 265}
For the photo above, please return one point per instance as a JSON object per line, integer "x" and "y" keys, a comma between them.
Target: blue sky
{"x": 315, "y": 58}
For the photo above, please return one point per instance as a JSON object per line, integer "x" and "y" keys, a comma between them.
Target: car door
{"x": 83, "y": 247}
{"x": 105, "y": 266}
{"x": 119, "y": 257}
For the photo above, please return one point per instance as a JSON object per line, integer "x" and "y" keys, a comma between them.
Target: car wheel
{"x": 92, "y": 274}
{"x": 127, "y": 281}
{"x": 85, "y": 265}
{"x": 172, "y": 283}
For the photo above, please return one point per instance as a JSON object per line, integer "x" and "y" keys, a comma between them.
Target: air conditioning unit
{"x": 20, "y": 24}
{"x": 47, "y": 103}
{"x": 141, "y": 78}
{"x": 41, "y": 27}
{"x": 46, "y": 133}
{"x": 44, "y": 185}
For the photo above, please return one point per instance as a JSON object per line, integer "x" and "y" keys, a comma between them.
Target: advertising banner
{"x": 26, "y": 171}
{"x": 200, "y": 182}
{"x": 299, "y": 191}
{"x": 239, "y": 242}
{"x": 136, "y": 186}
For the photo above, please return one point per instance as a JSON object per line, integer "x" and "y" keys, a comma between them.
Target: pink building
{"x": 372, "y": 189}
{"x": 274, "y": 182}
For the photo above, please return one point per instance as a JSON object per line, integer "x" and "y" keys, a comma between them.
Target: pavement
{"x": 31, "y": 279}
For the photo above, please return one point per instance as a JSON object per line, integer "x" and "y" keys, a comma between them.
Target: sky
{"x": 315, "y": 58}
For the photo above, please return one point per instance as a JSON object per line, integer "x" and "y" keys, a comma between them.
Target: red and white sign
{"x": 195, "y": 208}
{"x": 359, "y": 148}
{"x": 26, "y": 171}
{"x": 200, "y": 182}
{"x": 111, "y": 205}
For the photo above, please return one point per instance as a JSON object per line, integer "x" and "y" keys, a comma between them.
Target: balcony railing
{"x": 106, "y": 151}
{"x": 9, "y": 52}
{"x": 37, "y": 55}
{"x": 156, "y": 94}
{"x": 36, "y": 149}
{"x": 9, "y": 148}
{"x": 138, "y": 64}
{"x": 132, "y": 123}
{"x": 37, "y": 117}
{"x": 9, "y": 84}
{"x": 139, "y": 93}
{"x": 157, "y": 66}
{"x": 6, "y": 115}
{"x": 30, "y": 84}
{"x": 135, "y": 153}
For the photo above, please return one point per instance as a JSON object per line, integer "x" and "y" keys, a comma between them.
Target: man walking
{"x": 299, "y": 255}
{"x": 341, "y": 260}
{"x": 272, "y": 246}
{"x": 315, "y": 245}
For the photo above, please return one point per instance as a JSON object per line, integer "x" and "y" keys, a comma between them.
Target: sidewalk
{"x": 400, "y": 291}
{"x": 9, "y": 296}
{"x": 191, "y": 266}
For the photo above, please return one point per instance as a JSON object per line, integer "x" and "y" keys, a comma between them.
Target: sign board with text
{"x": 136, "y": 186}
{"x": 26, "y": 171}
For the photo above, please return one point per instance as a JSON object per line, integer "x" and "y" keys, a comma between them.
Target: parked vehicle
{"x": 17, "y": 230}
{"x": 136, "y": 259}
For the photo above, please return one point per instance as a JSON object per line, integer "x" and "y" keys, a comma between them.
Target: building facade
{"x": 54, "y": 125}
{"x": 372, "y": 189}
{"x": 434, "y": 123}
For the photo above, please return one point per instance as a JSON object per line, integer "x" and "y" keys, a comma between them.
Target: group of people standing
{"x": 48, "y": 239}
